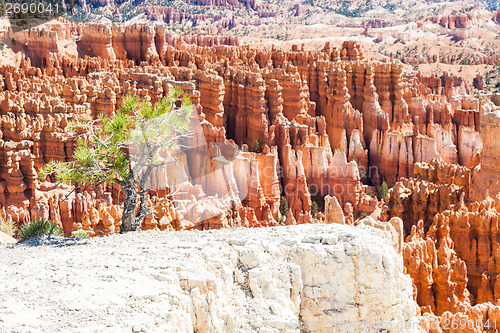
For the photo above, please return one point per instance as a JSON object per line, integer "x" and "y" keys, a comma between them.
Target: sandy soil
{"x": 94, "y": 285}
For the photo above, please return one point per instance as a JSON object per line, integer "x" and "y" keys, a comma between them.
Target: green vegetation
{"x": 124, "y": 150}
{"x": 487, "y": 79}
{"x": 320, "y": 200}
{"x": 2, "y": 8}
{"x": 283, "y": 207}
{"x": 496, "y": 101}
{"x": 39, "y": 227}
{"x": 257, "y": 147}
{"x": 314, "y": 208}
{"x": 362, "y": 172}
{"x": 390, "y": 7}
{"x": 345, "y": 8}
{"x": 382, "y": 191}
{"x": 8, "y": 226}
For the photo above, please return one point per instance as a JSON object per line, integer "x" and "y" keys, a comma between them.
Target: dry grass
{"x": 80, "y": 233}
{"x": 8, "y": 226}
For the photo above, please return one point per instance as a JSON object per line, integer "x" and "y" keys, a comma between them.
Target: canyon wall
{"x": 451, "y": 237}
{"x": 304, "y": 124}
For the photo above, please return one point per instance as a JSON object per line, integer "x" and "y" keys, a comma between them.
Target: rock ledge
{"x": 232, "y": 280}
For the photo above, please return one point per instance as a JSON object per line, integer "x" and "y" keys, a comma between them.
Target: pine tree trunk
{"x": 143, "y": 205}
{"x": 143, "y": 209}
{"x": 129, "y": 205}
{"x": 130, "y": 220}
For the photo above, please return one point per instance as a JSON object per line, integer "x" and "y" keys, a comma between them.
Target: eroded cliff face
{"x": 325, "y": 122}
{"x": 453, "y": 264}
{"x": 451, "y": 236}
{"x": 485, "y": 180}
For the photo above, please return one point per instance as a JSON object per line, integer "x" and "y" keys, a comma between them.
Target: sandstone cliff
{"x": 328, "y": 122}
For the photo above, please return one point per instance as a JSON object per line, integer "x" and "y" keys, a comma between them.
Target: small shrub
{"x": 257, "y": 147}
{"x": 314, "y": 209}
{"x": 371, "y": 194}
{"x": 283, "y": 206}
{"x": 13, "y": 40}
{"x": 39, "y": 227}
{"x": 382, "y": 191}
{"x": 320, "y": 200}
{"x": 362, "y": 214}
{"x": 8, "y": 226}
{"x": 80, "y": 233}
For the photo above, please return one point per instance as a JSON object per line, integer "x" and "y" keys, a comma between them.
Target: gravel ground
{"x": 89, "y": 285}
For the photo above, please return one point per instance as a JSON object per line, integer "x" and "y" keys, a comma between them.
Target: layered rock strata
{"x": 450, "y": 247}
{"x": 315, "y": 123}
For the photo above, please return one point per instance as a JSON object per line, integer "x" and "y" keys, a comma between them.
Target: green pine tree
{"x": 382, "y": 191}
{"x": 283, "y": 207}
{"x": 314, "y": 208}
{"x": 124, "y": 150}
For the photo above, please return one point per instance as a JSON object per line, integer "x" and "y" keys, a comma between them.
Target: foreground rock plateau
{"x": 229, "y": 280}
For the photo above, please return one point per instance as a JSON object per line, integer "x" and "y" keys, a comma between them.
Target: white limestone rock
{"x": 303, "y": 278}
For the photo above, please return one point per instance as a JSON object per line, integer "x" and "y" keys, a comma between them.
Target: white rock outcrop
{"x": 303, "y": 278}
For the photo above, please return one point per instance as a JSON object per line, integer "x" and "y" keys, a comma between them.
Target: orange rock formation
{"x": 300, "y": 124}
